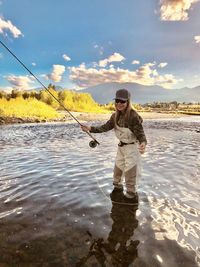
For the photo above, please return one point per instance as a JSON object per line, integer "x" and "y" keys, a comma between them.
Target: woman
{"x": 128, "y": 129}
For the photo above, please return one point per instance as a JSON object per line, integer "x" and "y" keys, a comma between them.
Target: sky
{"x": 78, "y": 44}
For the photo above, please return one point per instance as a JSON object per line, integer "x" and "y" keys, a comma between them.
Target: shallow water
{"x": 55, "y": 208}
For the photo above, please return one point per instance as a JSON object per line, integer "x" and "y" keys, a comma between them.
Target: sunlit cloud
{"x": 20, "y": 82}
{"x": 146, "y": 75}
{"x": 116, "y": 57}
{"x": 57, "y": 73}
{"x": 135, "y": 62}
{"x": 8, "y": 26}
{"x": 162, "y": 65}
{"x": 175, "y": 10}
{"x": 103, "y": 62}
{"x": 66, "y": 57}
{"x": 197, "y": 39}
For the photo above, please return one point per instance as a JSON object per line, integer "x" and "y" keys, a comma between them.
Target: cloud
{"x": 57, "y": 72}
{"x": 197, "y": 39}
{"x": 100, "y": 49}
{"x": 20, "y": 82}
{"x": 66, "y": 57}
{"x": 175, "y": 10}
{"x": 33, "y": 64}
{"x": 103, "y": 62}
{"x": 116, "y": 57}
{"x": 8, "y": 26}
{"x": 162, "y": 65}
{"x": 135, "y": 62}
{"x": 146, "y": 75}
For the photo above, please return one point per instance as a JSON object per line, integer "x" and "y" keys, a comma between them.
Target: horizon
{"x": 82, "y": 45}
{"x": 60, "y": 87}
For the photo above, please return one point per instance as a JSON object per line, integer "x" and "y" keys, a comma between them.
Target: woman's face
{"x": 120, "y": 105}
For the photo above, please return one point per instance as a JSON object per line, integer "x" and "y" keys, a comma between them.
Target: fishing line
{"x": 92, "y": 143}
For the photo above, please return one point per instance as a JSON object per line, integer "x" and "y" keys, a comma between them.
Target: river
{"x": 55, "y": 207}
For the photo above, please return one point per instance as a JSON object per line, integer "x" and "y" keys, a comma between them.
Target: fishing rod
{"x": 93, "y": 143}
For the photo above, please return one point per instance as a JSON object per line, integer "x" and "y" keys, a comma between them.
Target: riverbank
{"x": 16, "y": 120}
{"x": 84, "y": 116}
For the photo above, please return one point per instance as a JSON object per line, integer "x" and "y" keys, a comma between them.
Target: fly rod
{"x": 92, "y": 143}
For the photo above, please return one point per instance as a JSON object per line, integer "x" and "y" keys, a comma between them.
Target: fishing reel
{"x": 93, "y": 143}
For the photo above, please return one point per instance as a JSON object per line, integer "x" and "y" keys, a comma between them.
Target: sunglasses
{"x": 120, "y": 101}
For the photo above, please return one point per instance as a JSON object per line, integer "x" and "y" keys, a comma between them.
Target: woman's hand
{"x": 85, "y": 128}
{"x": 142, "y": 147}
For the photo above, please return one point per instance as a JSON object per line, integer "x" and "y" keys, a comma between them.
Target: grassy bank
{"x": 42, "y": 106}
{"x": 20, "y": 110}
{"x": 29, "y": 108}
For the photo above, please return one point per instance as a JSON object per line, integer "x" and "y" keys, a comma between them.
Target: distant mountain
{"x": 104, "y": 93}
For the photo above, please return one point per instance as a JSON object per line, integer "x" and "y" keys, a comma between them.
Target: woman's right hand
{"x": 85, "y": 128}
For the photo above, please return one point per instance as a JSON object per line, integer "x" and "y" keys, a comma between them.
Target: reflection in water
{"x": 119, "y": 249}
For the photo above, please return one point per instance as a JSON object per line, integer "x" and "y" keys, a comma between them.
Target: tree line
{"x": 72, "y": 100}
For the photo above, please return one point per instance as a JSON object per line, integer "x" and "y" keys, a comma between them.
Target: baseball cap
{"x": 122, "y": 94}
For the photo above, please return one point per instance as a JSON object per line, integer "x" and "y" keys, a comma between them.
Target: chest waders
{"x": 128, "y": 160}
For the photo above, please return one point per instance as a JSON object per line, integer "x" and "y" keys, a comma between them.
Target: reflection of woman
{"x": 119, "y": 243}
{"x": 119, "y": 249}
{"x": 128, "y": 129}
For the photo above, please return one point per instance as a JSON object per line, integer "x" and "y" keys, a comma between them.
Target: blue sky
{"x": 77, "y": 44}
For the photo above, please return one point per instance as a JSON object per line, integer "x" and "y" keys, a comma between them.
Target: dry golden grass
{"x": 29, "y": 108}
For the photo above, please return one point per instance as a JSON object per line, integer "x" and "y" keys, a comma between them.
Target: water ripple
{"x": 54, "y": 189}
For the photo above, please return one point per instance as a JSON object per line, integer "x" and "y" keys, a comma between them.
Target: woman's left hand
{"x": 142, "y": 147}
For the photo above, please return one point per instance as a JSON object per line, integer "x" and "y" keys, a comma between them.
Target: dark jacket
{"x": 134, "y": 123}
